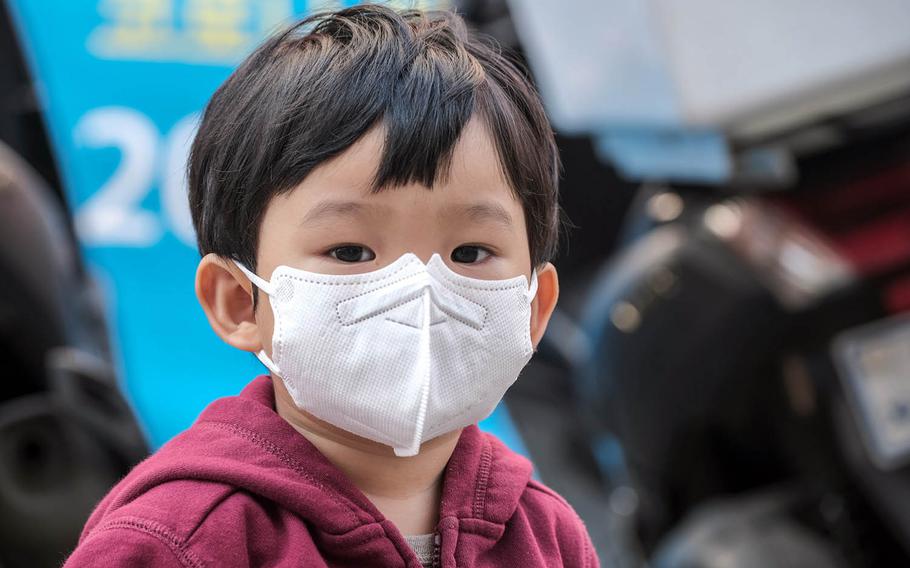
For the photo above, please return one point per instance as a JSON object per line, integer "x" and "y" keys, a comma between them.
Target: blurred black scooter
{"x": 745, "y": 381}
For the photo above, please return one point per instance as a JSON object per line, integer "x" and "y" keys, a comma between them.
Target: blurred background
{"x": 726, "y": 381}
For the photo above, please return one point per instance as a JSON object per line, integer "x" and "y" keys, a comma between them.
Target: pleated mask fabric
{"x": 399, "y": 355}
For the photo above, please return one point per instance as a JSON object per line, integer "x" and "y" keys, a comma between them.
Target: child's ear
{"x": 226, "y": 297}
{"x": 544, "y": 302}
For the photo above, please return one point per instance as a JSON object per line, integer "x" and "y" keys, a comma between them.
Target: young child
{"x": 375, "y": 199}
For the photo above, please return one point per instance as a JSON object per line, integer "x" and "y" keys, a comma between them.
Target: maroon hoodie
{"x": 241, "y": 487}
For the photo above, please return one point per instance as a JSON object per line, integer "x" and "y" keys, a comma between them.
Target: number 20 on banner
{"x": 113, "y": 215}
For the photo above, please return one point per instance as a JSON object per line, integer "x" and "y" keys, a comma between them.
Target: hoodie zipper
{"x": 436, "y": 555}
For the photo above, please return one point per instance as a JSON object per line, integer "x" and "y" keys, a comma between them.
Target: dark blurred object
{"x": 21, "y": 123}
{"x": 66, "y": 433}
{"x": 713, "y": 371}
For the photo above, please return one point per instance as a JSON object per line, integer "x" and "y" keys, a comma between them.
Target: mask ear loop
{"x": 259, "y": 282}
{"x": 266, "y": 287}
{"x": 532, "y": 287}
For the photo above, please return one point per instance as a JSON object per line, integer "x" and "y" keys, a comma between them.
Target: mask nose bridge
{"x": 382, "y": 299}
{"x": 387, "y": 298}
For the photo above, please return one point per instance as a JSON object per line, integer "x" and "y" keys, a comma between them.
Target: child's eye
{"x": 469, "y": 254}
{"x": 352, "y": 253}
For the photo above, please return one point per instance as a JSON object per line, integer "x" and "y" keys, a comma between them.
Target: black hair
{"x": 308, "y": 93}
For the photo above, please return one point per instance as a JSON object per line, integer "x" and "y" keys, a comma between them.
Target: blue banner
{"x": 122, "y": 83}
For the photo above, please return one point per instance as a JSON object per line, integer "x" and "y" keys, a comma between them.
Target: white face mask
{"x": 400, "y": 355}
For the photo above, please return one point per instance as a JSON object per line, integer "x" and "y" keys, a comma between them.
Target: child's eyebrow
{"x": 331, "y": 208}
{"x": 480, "y": 212}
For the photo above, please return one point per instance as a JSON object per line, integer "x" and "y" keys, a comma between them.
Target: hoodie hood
{"x": 242, "y": 442}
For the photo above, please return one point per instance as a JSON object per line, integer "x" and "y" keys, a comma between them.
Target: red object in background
{"x": 879, "y": 246}
{"x": 867, "y": 221}
{"x": 897, "y": 295}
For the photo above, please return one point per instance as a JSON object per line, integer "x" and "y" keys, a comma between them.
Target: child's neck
{"x": 406, "y": 490}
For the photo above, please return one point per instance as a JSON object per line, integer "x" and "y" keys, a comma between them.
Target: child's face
{"x": 331, "y": 223}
